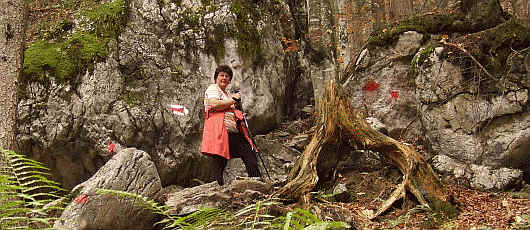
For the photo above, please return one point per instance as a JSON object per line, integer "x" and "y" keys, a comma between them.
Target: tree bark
{"x": 339, "y": 122}
{"x": 12, "y": 25}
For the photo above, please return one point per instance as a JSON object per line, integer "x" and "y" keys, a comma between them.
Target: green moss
{"x": 63, "y": 57}
{"x": 108, "y": 19}
{"x": 44, "y": 56}
{"x": 247, "y": 35}
{"x": 428, "y": 24}
{"x": 500, "y": 42}
{"x": 441, "y": 211}
{"x": 473, "y": 17}
{"x": 57, "y": 30}
{"x": 420, "y": 58}
{"x": 214, "y": 44}
{"x": 133, "y": 98}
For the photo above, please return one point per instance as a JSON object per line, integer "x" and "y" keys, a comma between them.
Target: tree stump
{"x": 339, "y": 122}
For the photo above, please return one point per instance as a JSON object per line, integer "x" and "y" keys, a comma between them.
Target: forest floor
{"x": 475, "y": 209}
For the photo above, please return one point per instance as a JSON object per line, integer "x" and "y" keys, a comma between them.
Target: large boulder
{"x": 131, "y": 171}
{"x": 383, "y": 89}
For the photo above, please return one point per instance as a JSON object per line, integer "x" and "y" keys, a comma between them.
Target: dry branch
{"x": 339, "y": 122}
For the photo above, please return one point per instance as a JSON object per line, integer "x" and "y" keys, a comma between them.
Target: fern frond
{"x": 304, "y": 219}
{"x": 202, "y": 219}
{"x": 25, "y": 191}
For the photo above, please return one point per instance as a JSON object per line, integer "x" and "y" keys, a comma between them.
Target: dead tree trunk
{"x": 338, "y": 121}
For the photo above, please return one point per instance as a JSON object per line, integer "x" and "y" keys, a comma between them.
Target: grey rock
{"x": 362, "y": 160}
{"x": 408, "y": 43}
{"x": 341, "y": 193}
{"x": 397, "y": 114}
{"x": 191, "y": 199}
{"x": 277, "y": 157}
{"x": 299, "y": 142}
{"x": 441, "y": 108}
{"x": 487, "y": 178}
{"x": 130, "y": 171}
{"x": 478, "y": 176}
{"x": 363, "y": 60}
{"x": 156, "y": 61}
{"x": 377, "y": 125}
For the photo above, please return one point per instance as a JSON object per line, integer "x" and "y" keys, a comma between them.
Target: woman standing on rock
{"x": 224, "y": 135}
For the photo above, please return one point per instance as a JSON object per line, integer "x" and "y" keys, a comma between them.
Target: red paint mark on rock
{"x": 371, "y": 86}
{"x": 81, "y": 199}
{"x": 394, "y": 94}
{"x": 111, "y": 148}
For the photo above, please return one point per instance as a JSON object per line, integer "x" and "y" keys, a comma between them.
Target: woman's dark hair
{"x": 222, "y": 68}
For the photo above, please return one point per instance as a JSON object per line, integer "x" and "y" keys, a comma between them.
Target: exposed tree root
{"x": 338, "y": 122}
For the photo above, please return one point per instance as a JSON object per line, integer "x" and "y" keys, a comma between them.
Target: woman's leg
{"x": 219, "y": 164}
{"x": 239, "y": 147}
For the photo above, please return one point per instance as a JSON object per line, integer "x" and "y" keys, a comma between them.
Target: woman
{"x": 224, "y": 135}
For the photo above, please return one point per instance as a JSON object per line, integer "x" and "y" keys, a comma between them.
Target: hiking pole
{"x": 255, "y": 150}
{"x": 240, "y": 107}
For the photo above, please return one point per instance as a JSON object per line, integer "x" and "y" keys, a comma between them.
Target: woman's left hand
{"x": 236, "y": 96}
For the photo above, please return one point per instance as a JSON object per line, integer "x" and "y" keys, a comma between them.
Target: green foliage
{"x": 63, "y": 59}
{"x": 500, "y": 42}
{"x": 428, "y": 25}
{"x": 27, "y": 197}
{"x": 202, "y": 219}
{"x": 304, "y": 219}
{"x": 250, "y": 217}
{"x": 107, "y": 20}
{"x": 64, "y": 56}
{"x": 255, "y": 216}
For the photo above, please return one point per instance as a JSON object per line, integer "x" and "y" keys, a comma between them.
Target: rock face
{"x": 167, "y": 53}
{"x": 130, "y": 170}
{"x": 383, "y": 89}
{"x": 427, "y": 93}
{"x": 164, "y": 56}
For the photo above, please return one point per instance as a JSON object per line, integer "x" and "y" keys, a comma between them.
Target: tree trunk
{"x": 12, "y": 24}
{"x": 339, "y": 122}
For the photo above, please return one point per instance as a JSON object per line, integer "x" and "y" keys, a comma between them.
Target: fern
{"x": 202, "y": 219}
{"x": 26, "y": 193}
{"x": 304, "y": 219}
{"x": 254, "y": 216}
{"x": 404, "y": 219}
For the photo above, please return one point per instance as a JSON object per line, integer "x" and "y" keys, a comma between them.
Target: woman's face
{"x": 223, "y": 79}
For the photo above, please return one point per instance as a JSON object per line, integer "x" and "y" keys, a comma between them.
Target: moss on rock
{"x": 68, "y": 55}
{"x": 107, "y": 20}
{"x": 247, "y": 35}
{"x": 471, "y": 17}
{"x": 214, "y": 44}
